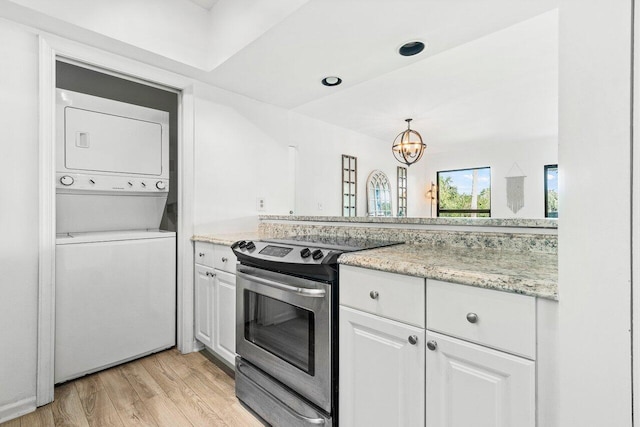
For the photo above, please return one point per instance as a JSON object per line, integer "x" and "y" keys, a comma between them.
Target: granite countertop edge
{"x": 513, "y": 281}
{"x": 225, "y": 239}
{"x": 545, "y": 223}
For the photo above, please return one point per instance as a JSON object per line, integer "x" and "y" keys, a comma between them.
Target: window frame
{"x": 461, "y": 211}
{"x": 546, "y": 190}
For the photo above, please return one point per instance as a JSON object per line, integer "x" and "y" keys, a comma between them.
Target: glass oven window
{"x": 282, "y": 329}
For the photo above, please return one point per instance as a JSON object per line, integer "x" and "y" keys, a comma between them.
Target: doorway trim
{"x": 50, "y": 48}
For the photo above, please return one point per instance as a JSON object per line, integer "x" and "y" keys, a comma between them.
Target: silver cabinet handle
{"x": 413, "y": 339}
{"x": 211, "y": 274}
{"x": 472, "y": 317}
{"x": 432, "y": 345}
{"x": 373, "y": 294}
{"x": 201, "y": 254}
{"x": 305, "y": 292}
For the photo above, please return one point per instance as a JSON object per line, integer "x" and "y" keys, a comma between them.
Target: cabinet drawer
{"x": 224, "y": 258}
{"x": 204, "y": 254}
{"x": 503, "y": 320}
{"x": 390, "y": 295}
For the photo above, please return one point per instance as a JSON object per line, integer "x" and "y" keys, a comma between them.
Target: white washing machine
{"x": 115, "y": 270}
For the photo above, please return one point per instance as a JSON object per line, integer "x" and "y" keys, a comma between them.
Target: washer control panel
{"x": 82, "y": 182}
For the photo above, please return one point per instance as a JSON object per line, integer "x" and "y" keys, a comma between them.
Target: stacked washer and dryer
{"x": 115, "y": 270}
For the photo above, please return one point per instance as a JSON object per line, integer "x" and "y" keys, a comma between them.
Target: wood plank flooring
{"x": 164, "y": 389}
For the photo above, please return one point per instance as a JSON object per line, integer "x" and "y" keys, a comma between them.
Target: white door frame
{"x": 51, "y": 47}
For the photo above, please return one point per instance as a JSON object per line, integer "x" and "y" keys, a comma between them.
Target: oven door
{"x": 283, "y": 326}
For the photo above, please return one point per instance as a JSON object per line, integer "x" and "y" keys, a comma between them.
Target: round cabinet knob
{"x": 432, "y": 345}
{"x": 250, "y": 246}
{"x": 373, "y": 294}
{"x": 201, "y": 254}
{"x": 317, "y": 254}
{"x": 413, "y": 339}
{"x": 66, "y": 180}
{"x": 225, "y": 259}
{"x": 161, "y": 185}
{"x": 472, "y": 317}
{"x": 305, "y": 253}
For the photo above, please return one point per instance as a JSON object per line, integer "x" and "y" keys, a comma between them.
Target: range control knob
{"x": 160, "y": 185}
{"x": 66, "y": 180}
{"x": 242, "y": 244}
{"x": 250, "y": 246}
{"x": 235, "y": 245}
{"x": 317, "y": 254}
{"x": 305, "y": 253}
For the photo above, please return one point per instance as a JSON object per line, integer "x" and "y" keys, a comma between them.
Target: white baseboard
{"x": 17, "y": 409}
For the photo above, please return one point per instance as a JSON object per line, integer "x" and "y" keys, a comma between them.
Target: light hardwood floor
{"x": 164, "y": 389}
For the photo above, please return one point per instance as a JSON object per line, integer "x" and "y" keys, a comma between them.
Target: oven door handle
{"x": 290, "y": 410}
{"x": 305, "y": 292}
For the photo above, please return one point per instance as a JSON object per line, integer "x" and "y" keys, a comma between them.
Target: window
{"x": 378, "y": 194}
{"x": 349, "y": 185}
{"x": 464, "y": 193}
{"x": 402, "y": 191}
{"x": 551, "y": 191}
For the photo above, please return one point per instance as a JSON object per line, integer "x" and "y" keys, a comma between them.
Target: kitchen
{"x": 220, "y": 160}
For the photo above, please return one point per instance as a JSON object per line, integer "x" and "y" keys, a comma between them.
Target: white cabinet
{"x": 204, "y": 283}
{"x": 215, "y": 299}
{"x": 224, "y": 316}
{"x": 471, "y": 385}
{"x": 473, "y": 373}
{"x": 381, "y": 371}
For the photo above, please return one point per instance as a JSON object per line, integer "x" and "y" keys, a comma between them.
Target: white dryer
{"x": 115, "y": 270}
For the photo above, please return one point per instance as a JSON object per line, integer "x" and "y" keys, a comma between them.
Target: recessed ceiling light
{"x": 411, "y": 48}
{"x": 331, "y": 81}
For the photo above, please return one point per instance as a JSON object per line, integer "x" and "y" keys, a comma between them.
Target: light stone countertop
{"x": 226, "y": 239}
{"x": 527, "y": 273}
{"x": 543, "y": 223}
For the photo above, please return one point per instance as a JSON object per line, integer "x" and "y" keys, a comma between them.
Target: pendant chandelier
{"x": 408, "y": 147}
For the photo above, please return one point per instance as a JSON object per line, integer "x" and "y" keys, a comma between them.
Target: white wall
{"x": 176, "y": 29}
{"x": 18, "y": 215}
{"x": 594, "y": 244}
{"x": 320, "y": 147}
{"x": 242, "y": 153}
{"x": 530, "y": 156}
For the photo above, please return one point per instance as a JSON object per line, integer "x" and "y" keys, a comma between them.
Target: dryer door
{"x": 101, "y": 142}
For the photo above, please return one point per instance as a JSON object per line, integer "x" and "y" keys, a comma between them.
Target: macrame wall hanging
{"x": 515, "y": 188}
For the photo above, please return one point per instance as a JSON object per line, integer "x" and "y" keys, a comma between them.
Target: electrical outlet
{"x": 261, "y": 204}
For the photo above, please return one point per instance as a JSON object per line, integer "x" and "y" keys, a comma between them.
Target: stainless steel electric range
{"x": 287, "y": 327}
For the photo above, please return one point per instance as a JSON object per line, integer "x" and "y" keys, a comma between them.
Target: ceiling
{"x": 206, "y": 4}
{"x": 489, "y": 71}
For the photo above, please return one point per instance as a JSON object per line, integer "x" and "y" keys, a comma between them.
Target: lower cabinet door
{"x": 204, "y": 284}
{"x": 471, "y": 385}
{"x": 224, "y": 316}
{"x": 382, "y": 371}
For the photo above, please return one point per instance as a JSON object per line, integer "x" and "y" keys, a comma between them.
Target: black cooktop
{"x": 308, "y": 256}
